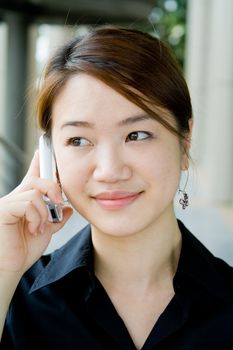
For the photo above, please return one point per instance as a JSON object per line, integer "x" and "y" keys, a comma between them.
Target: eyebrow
{"x": 135, "y": 119}
{"x": 78, "y": 123}
{"x": 127, "y": 121}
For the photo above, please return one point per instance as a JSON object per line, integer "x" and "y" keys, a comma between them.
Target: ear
{"x": 186, "y": 144}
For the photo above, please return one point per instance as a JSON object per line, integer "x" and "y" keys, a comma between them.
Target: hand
{"x": 25, "y": 231}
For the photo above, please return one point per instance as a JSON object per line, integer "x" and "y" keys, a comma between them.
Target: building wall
{"x": 3, "y": 41}
{"x": 209, "y": 71}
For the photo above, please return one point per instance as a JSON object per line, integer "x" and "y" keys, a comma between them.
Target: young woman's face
{"x": 119, "y": 168}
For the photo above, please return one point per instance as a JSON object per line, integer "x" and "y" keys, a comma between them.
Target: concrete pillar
{"x": 209, "y": 73}
{"x": 197, "y": 58}
{"x": 56, "y": 36}
{"x": 43, "y": 40}
{"x": 218, "y": 148}
{"x": 17, "y": 49}
{"x": 31, "y": 141}
{"x": 3, "y": 35}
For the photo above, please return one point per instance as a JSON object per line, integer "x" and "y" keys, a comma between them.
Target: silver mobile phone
{"x": 46, "y": 172}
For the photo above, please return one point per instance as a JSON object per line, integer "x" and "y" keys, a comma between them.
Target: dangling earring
{"x": 185, "y": 200}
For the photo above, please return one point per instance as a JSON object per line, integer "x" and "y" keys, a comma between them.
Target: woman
{"x": 118, "y": 113}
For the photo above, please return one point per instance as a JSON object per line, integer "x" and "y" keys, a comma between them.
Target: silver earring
{"x": 185, "y": 200}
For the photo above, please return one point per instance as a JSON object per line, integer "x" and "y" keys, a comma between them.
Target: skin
{"x": 106, "y": 161}
{"x": 136, "y": 240}
{"x": 24, "y": 230}
{"x": 136, "y": 244}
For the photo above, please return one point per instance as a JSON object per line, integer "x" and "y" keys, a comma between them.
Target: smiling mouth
{"x": 116, "y": 200}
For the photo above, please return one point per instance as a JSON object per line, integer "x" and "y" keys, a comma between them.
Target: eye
{"x": 77, "y": 142}
{"x": 138, "y": 136}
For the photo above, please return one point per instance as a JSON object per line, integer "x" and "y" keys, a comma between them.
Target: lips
{"x": 116, "y": 199}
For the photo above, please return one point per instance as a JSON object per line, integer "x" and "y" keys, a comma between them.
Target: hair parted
{"x": 137, "y": 65}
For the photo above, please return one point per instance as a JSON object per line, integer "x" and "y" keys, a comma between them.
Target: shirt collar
{"x": 199, "y": 271}
{"x": 76, "y": 253}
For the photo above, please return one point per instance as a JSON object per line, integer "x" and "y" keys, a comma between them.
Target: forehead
{"x": 86, "y": 95}
{"x": 88, "y": 99}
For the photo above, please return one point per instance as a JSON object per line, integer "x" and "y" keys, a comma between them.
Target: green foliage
{"x": 167, "y": 21}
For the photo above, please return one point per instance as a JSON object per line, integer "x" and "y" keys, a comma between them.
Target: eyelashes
{"x": 139, "y": 136}
{"x": 77, "y": 142}
{"x": 134, "y": 136}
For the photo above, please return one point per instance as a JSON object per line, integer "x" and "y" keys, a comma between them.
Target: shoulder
{"x": 205, "y": 270}
{"x": 77, "y": 252}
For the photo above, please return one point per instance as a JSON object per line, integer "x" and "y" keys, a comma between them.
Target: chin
{"x": 118, "y": 229}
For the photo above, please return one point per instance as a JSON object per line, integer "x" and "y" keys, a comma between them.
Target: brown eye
{"x": 138, "y": 136}
{"x": 78, "y": 142}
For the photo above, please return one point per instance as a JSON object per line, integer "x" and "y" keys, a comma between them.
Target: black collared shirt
{"x": 60, "y": 304}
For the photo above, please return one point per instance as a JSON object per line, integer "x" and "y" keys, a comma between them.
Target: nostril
{"x": 110, "y": 165}
{"x": 112, "y": 174}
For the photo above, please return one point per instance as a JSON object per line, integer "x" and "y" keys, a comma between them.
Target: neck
{"x": 141, "y": 260}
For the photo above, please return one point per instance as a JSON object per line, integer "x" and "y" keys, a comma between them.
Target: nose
{"x": 111, "y": 165}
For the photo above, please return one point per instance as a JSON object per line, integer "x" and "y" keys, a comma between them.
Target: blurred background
{"x": 200, "y": 35}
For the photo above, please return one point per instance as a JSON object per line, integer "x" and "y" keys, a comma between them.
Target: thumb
{"x": 33, "y": 170}
{"x": 34, "y": 167}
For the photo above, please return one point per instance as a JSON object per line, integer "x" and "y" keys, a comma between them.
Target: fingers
{"x": 35, "y": 226}
{"x": 54, "y": 227}
{"x": 30, "y": 205}
{"x": 32, "y": 180}
{"x": 25, "y": 211}
{"x": 36, "y": 213}
{"x": 33, "y": 218}
{"x": 27, "y": 202}
{"x": 34, "y": 167}
{"x": 34, "y": 170}
{"x": 46, "y": 187}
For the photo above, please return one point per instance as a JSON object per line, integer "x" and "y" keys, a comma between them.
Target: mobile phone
{"x": 47, "y": 162}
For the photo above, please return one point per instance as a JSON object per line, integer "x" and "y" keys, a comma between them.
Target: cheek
{"x": 162, "y": 160}
{"x": 73, "y": 174}
{"x": 164, "y": 169}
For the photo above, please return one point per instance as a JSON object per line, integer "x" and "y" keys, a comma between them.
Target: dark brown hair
{"x": 137, "y": 65}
